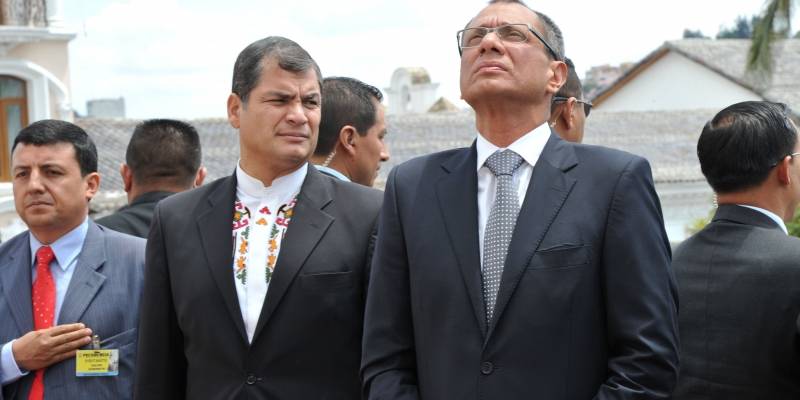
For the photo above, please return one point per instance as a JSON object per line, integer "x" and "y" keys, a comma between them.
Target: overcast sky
{"x": 171, "y": 58}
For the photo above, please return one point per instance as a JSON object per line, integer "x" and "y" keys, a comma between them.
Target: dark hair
{"x": 552, "y": 33}
{"x": 164, "y": 151}
{"x": 571, "y": 88}
{"x": 289, "y": 55}
{"x": 740, "y": 146}
{"x": 52, "y": 131}
{"x": 347, "y": 101}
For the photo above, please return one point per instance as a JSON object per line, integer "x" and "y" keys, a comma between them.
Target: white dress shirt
{"x": 771, "y": 215}
{"x": 66, "y": 250}
{"x": 529, "y": 147}
{"x": 255, "y": 196}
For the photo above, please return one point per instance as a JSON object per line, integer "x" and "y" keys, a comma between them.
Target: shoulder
{"x": 196, "y": 195}
{"x": 428, "y": 165}
{"x": 612, "y": 160}
{"x": 352, "y": 194}
{"x": 122, "y": 242}
{"x": 17, "y": 243}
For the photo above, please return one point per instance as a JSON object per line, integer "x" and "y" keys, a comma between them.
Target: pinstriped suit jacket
{"x": 103, "y": 294}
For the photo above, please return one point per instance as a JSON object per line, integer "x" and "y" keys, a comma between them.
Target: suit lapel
{"x": 214, "y": 226}
{"x": 547, "y": 191}
{"x": 305, "y": 230}
{"x": 15, "y": 281}
{"x": 458, "y": 203}
{"x": 86, "y": 280}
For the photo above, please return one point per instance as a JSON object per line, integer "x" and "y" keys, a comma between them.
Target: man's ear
{"x": 234, "y": 105}
{"x": 568, "y": 115}
{"x": 92, "y": 184}
{"x": 347, "y": 139}
{"x": 127, "y": 177}
{"x": 558, "y": 77}
{"x": 782, "y": 170}
{"x": 200, "y": 177}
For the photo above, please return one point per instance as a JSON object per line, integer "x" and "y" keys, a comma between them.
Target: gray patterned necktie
{"x": 500, "y": 225}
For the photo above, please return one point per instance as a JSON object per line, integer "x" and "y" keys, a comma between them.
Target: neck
{"x": 48, "y": 235}
{"x": 267, "y": 174}
{"x": 138, "y": 190}
{"x": 761, "y": 199}
{"x": 502, "y": 123}
{"x": 337, "y": 163}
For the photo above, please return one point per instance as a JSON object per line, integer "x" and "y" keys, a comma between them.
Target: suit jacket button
{"x": 251, "y": 379}
{"x": 487, "y": 367}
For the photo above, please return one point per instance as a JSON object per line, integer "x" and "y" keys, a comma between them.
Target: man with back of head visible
{"x": 351, "y": 132}
{"x": 66, "y": 278}
{"x": 256, "y": 282}
{"x": 569, "y": 110}
{"x": 738, "y": 276}
{"x": 163, "y": 158}
{"x": 506, "y": 270}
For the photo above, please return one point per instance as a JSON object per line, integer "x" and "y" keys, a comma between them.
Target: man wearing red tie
{"x": 66, "y": 281}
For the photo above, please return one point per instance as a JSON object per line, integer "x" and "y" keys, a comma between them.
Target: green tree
{"x": 690, "y": 34}
{"x": 775, "y": 23}
{"x": 742, "y": 28}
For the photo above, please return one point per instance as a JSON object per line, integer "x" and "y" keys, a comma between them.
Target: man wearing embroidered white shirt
{"x": 256, "y": 282}
{"x": 524, "y": 266}
{"x": 738, "y": 276}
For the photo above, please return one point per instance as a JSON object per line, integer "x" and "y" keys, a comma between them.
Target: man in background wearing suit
{"x": 523, "y": 266}
{"x": 163, "y": 158}
{"x": 65, "y": 279}
{"x": 351, "y": 131}
{"x": 738, "y": 277}
{"x": 569, "y": 110}
{"x": 255, "y": 283}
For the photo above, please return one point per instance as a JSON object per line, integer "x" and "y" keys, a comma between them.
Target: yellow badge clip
{"x": 97, "y": 361}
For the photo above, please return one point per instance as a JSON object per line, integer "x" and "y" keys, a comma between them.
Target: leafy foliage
{"x": 690, "y": 34}
{"x": 742, "y": 28}
{"x": 775, "y": 23}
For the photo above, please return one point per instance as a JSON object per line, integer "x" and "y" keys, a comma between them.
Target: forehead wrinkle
{"x": 535, "y": 22}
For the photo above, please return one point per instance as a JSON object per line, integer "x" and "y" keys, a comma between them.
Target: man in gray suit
{"x": 66, "y": 281}
{"x": 256, "y": 282}
{"x": 738, "y": 277}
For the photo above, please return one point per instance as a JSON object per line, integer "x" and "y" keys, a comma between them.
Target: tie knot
{"x": 44, "y": 255}
{"x": 503, "y": 162}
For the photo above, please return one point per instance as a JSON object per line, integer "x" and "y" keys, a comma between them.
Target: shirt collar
{"x": 66, "y": 248}
{"x": 771, "y": 215}
{"x": 282, "y": 187}
{"x": 529, "y": 146}
{"x": 332, "y": 172}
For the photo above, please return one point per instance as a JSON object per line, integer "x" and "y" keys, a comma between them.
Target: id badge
{"x": 96, "y": 361}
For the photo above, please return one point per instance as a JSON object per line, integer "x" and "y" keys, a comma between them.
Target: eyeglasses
{"x": 793, "y": 155}
{"x": 513, "y": 33}
{"x": 587, "y": 106}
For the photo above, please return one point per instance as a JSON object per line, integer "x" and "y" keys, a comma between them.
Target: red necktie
{"x": 44, "y": 308}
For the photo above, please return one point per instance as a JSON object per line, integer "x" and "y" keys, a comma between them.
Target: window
{"x": 13, "y": 117}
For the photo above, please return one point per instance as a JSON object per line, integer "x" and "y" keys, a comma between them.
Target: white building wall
{"x": 682, "y": 204}
{"x": 674, "y": 82}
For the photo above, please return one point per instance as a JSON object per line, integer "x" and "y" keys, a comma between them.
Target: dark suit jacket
{"x": 739, "y": 281}
{"x": 134, "y": 219}
{"x": 308, "y": 339}
{"x": 103, "y": 293}
{"x": 587, "y": 301}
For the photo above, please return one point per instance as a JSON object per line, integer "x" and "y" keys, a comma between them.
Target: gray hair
{"x": 289, "y": 55}
{"x": 552, "y": 33}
